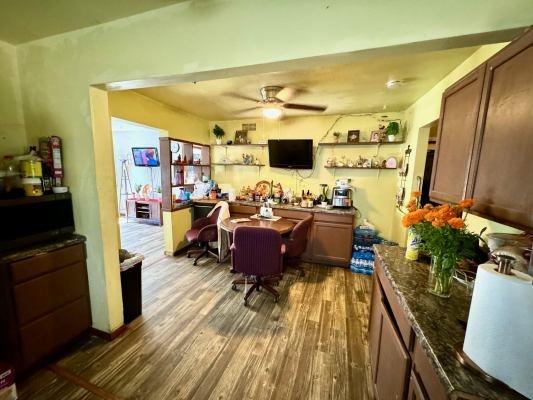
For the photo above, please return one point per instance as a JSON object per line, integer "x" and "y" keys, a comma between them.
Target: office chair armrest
{"x": 208, "y": 233}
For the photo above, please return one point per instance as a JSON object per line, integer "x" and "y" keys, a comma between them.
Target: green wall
{"x": 204, "y": 36}
{"x": 12, "y": 133}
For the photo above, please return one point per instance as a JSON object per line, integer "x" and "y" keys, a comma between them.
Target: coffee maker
{"x": 342, "y": 193}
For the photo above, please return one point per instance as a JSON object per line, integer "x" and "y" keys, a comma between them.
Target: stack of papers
{"x": 257, "y": 216}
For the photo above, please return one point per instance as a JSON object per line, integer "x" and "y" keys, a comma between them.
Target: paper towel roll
{"x": 499, "y": 334}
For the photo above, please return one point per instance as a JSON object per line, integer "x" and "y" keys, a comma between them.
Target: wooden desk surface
{"x": 282, "y": 225}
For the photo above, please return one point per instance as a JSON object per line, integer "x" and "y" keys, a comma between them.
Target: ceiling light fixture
{"x": 394, "y": 83}
{"x": 271, "y": 112}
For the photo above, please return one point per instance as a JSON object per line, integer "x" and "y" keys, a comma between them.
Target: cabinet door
{"x": 455, "y": 139}
{"x": 502, "y": 174}
{"x": 416, "y": 392}
{"x": 375, "y": 326}
{"x": 332, "y": 243}
{"x": 393, "y": 361}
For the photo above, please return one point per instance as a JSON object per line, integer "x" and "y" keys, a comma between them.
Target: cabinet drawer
{"x": 401, "y": 320}
{"x": 44, "y": 263}
{"x": 334, "y": 218}
{"x": 240, "y": 209}
{"x": 428, "y": 378}
{"x": 294, "y": 215}
{"x": 42, "y": 337}
{"x": 45, "y": 293}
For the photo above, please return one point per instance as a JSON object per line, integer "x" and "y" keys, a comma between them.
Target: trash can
{"x": 130, "y": 278}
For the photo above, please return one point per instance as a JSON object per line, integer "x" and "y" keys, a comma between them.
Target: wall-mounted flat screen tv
{"x": 291, "y": 153}
{"x": 145, "y": 156}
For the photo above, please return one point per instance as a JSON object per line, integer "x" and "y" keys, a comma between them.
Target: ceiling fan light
{"x": 271, "y": 112}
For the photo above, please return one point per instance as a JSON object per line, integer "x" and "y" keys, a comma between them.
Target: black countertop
{"x": 36, "y": 249}
{"x": 315, "y": 209}
{"x": 436, "y": 323}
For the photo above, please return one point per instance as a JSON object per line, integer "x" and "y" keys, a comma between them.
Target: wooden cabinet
{"x": 45, "y": 303}
{"x": 145, "y": 211}
{"x": 485, "y": 141}
{"x": 390, "y": 360}
{"x": 501, "y": 179}
{"x": 415, "y": 388}
{"x": 455, "y": 137}
{"x": 400, "y": 368}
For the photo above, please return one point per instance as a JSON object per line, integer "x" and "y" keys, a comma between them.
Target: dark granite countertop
{"x": 436, "y": 323}
{"x": 36, "y": 249}
{"x": 341, "y": 211}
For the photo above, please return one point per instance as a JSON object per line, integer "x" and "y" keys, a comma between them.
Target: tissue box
{"x": 8, "y": 390}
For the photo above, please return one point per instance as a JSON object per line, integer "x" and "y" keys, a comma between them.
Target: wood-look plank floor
{"x": 196, "y": 340}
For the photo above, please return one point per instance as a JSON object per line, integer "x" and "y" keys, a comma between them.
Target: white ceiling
{"x": 25, "y": 20}
{"x": 352, "y": 88}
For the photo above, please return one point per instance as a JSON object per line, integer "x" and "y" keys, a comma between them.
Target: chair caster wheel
{"x": 234, "y": 286}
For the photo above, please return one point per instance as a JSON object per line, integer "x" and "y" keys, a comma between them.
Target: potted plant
{"x": 336, "y": 137}
{"x": 443, "y": 234}
{"x": 392, "y": 130}
{"x": 219, "y": 133}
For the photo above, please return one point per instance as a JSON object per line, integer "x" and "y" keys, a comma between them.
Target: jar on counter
{"x": 32, "y": 186}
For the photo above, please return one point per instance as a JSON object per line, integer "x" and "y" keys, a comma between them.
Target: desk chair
{"x": 203, "y": 231}
{"x": 296, "y": 243}
{"x": 257, "y": 253}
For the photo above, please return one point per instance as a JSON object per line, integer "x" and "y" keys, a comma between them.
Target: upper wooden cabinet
{"x": 455, "y": 137}
{"x": 501, "y": 178}
{"x": 485, "y": 139}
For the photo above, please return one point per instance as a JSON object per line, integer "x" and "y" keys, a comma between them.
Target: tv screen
{"x": 291, "y": 153}
{"x": 145, "y": 156}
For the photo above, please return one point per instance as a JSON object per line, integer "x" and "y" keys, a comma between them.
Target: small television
{"x": 291, "y": 153}
{"x": 145, "y": 156}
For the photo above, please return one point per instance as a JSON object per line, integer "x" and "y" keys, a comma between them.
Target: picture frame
{"x": 353, "y": 136}
{"x": 376, "y": 136}
{"x": 241, "y": 137}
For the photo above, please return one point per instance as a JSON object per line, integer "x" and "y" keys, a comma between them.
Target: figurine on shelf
{"x": 278, "y": 191}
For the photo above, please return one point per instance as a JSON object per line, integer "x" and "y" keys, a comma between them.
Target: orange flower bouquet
{"x": 443, "y": 234}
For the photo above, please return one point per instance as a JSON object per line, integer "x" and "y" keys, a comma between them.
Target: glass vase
{"x": 441, "y": 275}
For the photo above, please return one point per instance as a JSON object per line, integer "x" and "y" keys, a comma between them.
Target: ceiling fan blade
{"x": 245, "y": 110}
{"x": 241, "y": 97}
{"x": 305, "y": 107}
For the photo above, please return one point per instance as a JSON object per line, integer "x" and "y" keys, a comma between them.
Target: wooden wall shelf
{"x": 359, "y": 143}
{"x": 243, "y": 165}
{"x": 241, "y": 145}
{"x": 359, "y": 168}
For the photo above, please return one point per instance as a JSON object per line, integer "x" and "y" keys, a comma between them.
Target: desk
{"x": 283, "y": 225}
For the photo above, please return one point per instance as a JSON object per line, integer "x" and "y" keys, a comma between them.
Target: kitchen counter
{"x": 435, "y": 322}
{"x": 339, "y": 211}
{"x": 36, "y": 249}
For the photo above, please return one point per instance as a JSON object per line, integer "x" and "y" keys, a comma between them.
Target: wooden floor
{"x": 196, "y": 340}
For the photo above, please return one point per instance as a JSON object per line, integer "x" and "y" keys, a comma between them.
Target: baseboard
{"x": 109, "y": 336}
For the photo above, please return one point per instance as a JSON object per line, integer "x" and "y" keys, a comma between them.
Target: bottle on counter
{"x": 413, "y": 242}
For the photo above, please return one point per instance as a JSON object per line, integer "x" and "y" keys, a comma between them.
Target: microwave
{"x": 31, "y": 220}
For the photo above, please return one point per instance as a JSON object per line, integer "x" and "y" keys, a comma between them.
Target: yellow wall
{"x": 204, "y": 36}
{"x": 374, "y": 190}
{"x": 132, "y": 106}
{"x": 175, "y": 224}
{"x": 427, "y": 109}
{"x": 12, "y": 132}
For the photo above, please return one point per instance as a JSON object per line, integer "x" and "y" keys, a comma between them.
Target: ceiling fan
{"x": 274, "y": 99}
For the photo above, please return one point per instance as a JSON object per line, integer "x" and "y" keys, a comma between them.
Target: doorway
{"x": 138, "y": 182}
